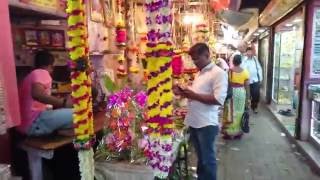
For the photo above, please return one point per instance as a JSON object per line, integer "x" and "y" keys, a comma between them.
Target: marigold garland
{"x": 81, "y": 86}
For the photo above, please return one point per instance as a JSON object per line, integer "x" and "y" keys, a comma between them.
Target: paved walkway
{"x": 264, "y": 154}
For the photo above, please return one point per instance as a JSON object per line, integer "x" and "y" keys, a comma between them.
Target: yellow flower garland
{"x": 81, "y": 83}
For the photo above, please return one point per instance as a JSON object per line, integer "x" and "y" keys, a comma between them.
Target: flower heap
{"x": 159, "y": 55}
{"x": 122, "y": 119}
{"x": 81, "y": 86}
{"x": 120, "y": 136}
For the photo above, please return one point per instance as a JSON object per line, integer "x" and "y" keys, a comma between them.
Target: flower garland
{"x": 132, "y": 53}
{"x": 121, "y": 71}
{"x": 159, "y": 55}
{"x": 177, "y": 64}
{"x": 81, "y": 86}
{"x": 121, "y": 32}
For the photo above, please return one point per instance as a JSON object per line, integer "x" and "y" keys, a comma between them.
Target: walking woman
{"x": 236, "y": 105}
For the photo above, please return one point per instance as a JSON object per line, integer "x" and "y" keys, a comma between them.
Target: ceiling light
{"x": 193, "y": 18}
{"x": 289, "y": 25}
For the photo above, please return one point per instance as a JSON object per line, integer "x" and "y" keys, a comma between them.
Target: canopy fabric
{"x": 234, "y": 18}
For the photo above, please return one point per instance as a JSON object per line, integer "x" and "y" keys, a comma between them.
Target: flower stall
{"x": 132, "y": 52}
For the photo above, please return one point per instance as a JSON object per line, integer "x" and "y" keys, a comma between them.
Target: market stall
{"x": 132, "y": 53}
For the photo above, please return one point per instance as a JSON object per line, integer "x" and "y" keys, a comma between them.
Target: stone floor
{"x": 263, "y": 154}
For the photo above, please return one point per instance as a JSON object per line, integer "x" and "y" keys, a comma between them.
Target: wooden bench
{"x": 43, "y": 147}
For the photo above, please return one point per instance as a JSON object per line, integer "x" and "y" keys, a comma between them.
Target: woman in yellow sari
{"x": 236, "y": 105}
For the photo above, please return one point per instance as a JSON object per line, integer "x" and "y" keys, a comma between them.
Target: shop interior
{"x": 287, "y": 66}
{"x": 32, "y": 31}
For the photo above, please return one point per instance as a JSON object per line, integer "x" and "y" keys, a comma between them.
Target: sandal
{"x": 287, "y": 112}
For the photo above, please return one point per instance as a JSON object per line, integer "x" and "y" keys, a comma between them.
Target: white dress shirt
{"x": 210, "y": 80}
{"x": 254, "y": 68}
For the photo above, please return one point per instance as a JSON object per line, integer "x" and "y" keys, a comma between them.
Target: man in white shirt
{"x": 207, "y": 93}
{"x": 252, "y": 64}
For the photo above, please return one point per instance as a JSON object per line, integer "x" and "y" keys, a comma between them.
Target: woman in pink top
{"x": 35, "y": 95}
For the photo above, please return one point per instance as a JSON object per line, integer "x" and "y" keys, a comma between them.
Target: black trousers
{"x": 255, "y": 95}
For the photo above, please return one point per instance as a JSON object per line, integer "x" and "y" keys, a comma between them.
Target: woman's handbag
{"x": 245, "y": 121}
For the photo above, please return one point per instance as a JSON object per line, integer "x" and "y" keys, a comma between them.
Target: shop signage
{"x": 47, "y": 4}
{"x": 315, "y": 56}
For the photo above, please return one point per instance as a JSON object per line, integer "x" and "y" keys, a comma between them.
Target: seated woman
{"x": 35, "y": 96}
{"x": 235, "y": 106}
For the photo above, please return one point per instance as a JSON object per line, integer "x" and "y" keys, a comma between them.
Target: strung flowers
{"x": 202, "y": 33}
{"x": 186, "y": 45}
{"x": 159, "y": 55}
{"x": 133, "y": 58}
{"x": 177, "y": 64}
{"x": 81, "y": 86}
{"x": 121, "y": 71}
{"x": 121, "y": 33}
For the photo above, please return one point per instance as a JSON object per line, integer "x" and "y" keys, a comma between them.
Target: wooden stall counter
{"x": 63, "y": 137}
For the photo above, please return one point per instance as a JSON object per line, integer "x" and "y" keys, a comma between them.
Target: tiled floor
{"x": 263, "y": 154}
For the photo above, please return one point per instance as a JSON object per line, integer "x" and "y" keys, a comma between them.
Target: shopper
{"x": 252, "y": 64}
{"x": 235, "y": 106}
{"x": 35, "y": 96}
{"x": 222, "y": 64}
{"x": 207, "y": 93}
{"x": 241, "y": 50}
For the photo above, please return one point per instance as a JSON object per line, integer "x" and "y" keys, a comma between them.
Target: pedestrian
{"x": 206, "y": 94}
{"x": 252, "y": 64}
{"x": 241, "y": 50}
{"x": 222, "y": 64}
{"x": 35, "y": 96}
{"x": 237, "y": 103}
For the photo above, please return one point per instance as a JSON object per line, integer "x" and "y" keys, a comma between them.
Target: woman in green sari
{"x": 236, "y": 105}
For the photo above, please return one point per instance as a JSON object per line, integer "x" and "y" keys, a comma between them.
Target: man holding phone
{"x": 207, "y": 93}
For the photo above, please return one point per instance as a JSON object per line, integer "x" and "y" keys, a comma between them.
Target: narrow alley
{"x": 263, "y": 154}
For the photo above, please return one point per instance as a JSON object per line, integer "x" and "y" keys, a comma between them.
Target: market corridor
{"x": 263, "y": 154}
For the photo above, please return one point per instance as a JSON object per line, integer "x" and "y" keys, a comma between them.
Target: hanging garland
{"x": 81, "y": 86}
{"x": 177, "y": 64}
{"x": 159, "y": 55}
